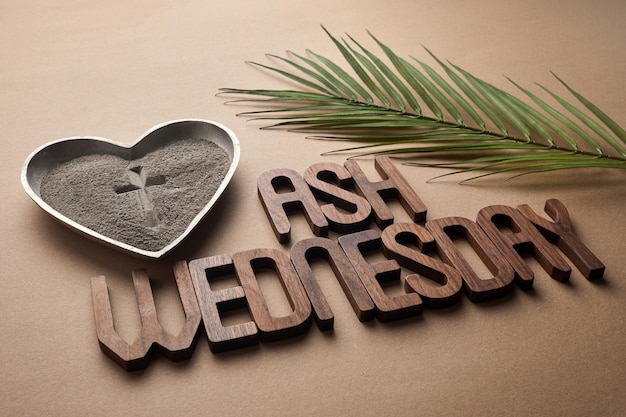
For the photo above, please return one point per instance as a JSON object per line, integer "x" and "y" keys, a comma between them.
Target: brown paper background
{"x": 115, "y": 69}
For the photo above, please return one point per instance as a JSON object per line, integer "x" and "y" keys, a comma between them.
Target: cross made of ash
{"x": 139, "y": 181}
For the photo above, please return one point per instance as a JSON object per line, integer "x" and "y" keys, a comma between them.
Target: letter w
{"x": 137, "y": 355}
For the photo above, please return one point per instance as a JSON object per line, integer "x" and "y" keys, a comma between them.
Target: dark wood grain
{"x": 278, "y": 204}
{"x": 273, "y": 328}
{"x": 477, "y": 288}
{"x": 221, "y": 338}
{"x": 301, "y": 255}
{"x": 392, "y": 185}
{"x": 152, "y": 336}
{"x": 387, "y": 307}
{"x": 561, "y": 233}
{"x": 408, "y": 243}
{"x": 524, "y": 238}
{"x": 328, "y": 182}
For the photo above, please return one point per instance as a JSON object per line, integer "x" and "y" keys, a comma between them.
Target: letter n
{"x": 137, "y": 355}
{"x": 303, "y": 252}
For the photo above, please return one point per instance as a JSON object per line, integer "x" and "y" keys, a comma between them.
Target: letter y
{"x": 560, "y": 232}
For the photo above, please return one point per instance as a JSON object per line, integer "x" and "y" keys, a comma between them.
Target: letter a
{"x": 277, "y": 204}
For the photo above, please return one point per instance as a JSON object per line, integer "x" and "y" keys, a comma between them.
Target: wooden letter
{"x": 525, "y": 237}
{"x": 137, "y": 355}
{"x": 387, "y": 308}
{"x": 561, "y": 233}
{"x": 356, "y": 210}
{"x": 277, "y": 204}
{"x": 301, "y": 255}
{"x": 212, "y": 302}
{"x": 393, "y": 185}
{"x": 273, "y": 328}
{"x": 477, "y": 289}
{"x": 394, "y": 238}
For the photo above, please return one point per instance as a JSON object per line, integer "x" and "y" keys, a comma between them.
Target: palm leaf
{"x": 407, "y": 107}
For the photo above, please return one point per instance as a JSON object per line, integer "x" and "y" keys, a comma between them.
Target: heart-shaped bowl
{"x": 54, "y": 154}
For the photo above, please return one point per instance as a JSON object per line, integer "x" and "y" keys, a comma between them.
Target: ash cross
{"x": 140, "y": 181}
